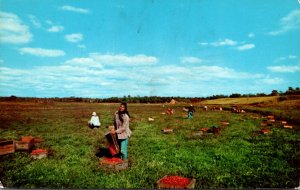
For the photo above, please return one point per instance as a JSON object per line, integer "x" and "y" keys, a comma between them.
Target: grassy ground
{"x": 239, "y": 157}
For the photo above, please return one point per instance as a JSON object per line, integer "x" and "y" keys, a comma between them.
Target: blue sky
{"x": 193, "y": 48}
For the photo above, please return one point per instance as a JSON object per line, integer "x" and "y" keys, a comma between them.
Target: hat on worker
{"x": 94, "y": 114}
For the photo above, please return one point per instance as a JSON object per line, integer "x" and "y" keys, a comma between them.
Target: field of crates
{"x": 215, "y": 149}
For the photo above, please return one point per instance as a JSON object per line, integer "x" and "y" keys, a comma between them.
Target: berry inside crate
{"x": 113, "y": 164}
{"x": 177, "y": 182}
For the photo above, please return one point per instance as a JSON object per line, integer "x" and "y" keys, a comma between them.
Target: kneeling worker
{"x": 94, "y": 121}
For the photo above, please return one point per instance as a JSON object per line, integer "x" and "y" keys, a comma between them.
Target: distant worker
{"x": 191, "y": 111}
{"x": 94, "y": 121}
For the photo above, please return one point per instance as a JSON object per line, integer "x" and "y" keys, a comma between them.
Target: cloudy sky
{"x": 195, "y": 48}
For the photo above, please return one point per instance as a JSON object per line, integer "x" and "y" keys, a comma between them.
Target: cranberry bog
{"x": 238, "y": 156}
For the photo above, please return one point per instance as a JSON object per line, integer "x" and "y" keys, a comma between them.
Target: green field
{"x": 238, "y": 157}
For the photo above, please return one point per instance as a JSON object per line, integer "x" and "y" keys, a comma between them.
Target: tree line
{"x": 150, "y": 99}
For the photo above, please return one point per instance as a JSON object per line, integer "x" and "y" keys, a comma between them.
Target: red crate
{"x": 39, "y": 154}
{"x": 113, "y": 164}
{"x": 178, "y": 182}
{"x": 7, "y": 147}
{"x": 264, "y": 131}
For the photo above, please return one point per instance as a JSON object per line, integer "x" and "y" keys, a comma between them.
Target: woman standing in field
{"x": 121, "y": 128}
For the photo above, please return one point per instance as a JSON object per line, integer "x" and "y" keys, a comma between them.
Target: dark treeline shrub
{"x": 291, "y": 92}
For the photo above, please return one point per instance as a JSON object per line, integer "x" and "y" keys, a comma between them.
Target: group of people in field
{"x": 119, "y": 132}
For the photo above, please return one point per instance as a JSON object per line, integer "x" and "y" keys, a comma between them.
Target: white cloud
{"x": 81, "y": 46}
{"x": 35, "y": 21}
{"x": 116, "y": 60}
{"x": 74, "y": 38}
{"x": 289, "y": 57}
{"x": 240, "y": 46}
{"x": 226, "y": 42}
{"x": 204, "y": 43}
{"x": 12, "y": 30}
{"x": 270, "y": 81}
{"x": 86, "y": 62}
{"x": 229, "y": 42}
{"x": 190, "y": 60}
{"x": 251, "y": 35}
{"x": 41, "y": 52}
{"x": 74, "y": 9}
{"x": 56, "y": 28}
{"x": 284, "y": 68}
{"x": 246, "y": 47}
{"x": 288, "y": 23}
{"x": 93, "y": 76}
{"x": 221, "y": 42}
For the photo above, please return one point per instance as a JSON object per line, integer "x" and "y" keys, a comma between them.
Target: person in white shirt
{"x": 94, "y": 121}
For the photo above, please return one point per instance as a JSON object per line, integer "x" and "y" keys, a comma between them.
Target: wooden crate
{"x": 163, "y": 185}
{"x": 167, "y": 130}
{"x": 263, "y": 124}
{"x": 224, "y": 123}
{"x": 20, "y": 145}
{"x": 113, "y": 166}
{"x": 283, "y": 122}
{"x": 197, "y": 133}
{"x": 288, "y": 126}
{"x": 7, "y": 147}
{"x": 204, "y": 129}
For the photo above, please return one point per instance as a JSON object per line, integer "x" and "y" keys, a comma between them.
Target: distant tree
{"x": 261, "y": 94}
{"x": 235, "y": 95}
{"x": 12, "y": 98}
{"x": 292, "y": 91}
{"x": 274, "y": 93}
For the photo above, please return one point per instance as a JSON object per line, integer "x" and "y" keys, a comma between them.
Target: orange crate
{"x": 26, "y": 138}
{"x": 176, "y": 182}
{"x": 7, "y": 147}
